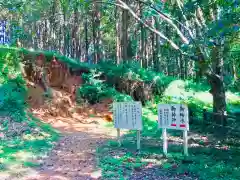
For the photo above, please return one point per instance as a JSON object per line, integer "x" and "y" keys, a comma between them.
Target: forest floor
{"x": 73, "y": 139}
{"x": 84, "y": 143}
{"x": 86, "y": 149}
{"x": 59, "y": 141}
{"x": 74, "y": 156}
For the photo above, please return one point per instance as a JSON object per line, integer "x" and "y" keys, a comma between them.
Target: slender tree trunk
{"x": 60, "y": 47}
{"x": 181, "y": 64}
{"x": 168, "y": 54}
{"x": 78, "y": 47}
{"x": 124, "y": 40}
{"x": 96, "y": 32}
{"x": 142, "y": 37}
{"x": 86, "y": 39}
{"x": 75, "y": 31}
{"x": 98, "y": 24}
{"x": 35, "y": 36}
{"x": 147, "y": 49}
{"x": 64, "y": 34}
{"x": 45, "y": 34}
{"x": 118, "y": 35}
{"x": 157, "y": 47}
{"x": 154, "y": 54}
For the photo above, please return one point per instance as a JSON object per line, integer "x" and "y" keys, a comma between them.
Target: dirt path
{"x": 73, "y": 157}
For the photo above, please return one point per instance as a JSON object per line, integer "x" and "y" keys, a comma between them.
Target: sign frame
{"x": 128, "y": 115}
{"x": 178, "y": 120}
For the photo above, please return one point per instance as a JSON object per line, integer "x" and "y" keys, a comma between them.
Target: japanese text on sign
{"x": 173, "y": 116}
{"x": 4, "y": 36}
{"x": 127, "y": 115}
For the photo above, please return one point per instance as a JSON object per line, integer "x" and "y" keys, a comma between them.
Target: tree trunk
{"x": 35, "y": 38}
{"x": 217, "y": 84}
{"x": 219, "y": 98}
{"x": 86, "y": 40}
{"x": 78, "y": 48}
{"x": 118, "y": 36}
{"x": 98, "y": 32}
{"x": 64, "y": 33}
{"x": 147, "y": 49}
{"x": 124, "y": 38}
{"x": 154, "y": 54}
{"x": 157, "y": 47}
{"x": 75, "y": 31}
{"x": 45, "y": 34}
{"x": 142, "y": 39}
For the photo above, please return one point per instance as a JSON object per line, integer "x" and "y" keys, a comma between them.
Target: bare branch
{"x": 169, "y": 21}
{"x": 125, "y": 6}
{"x": 180, "y": 5}
{"x": 199, "y": 13}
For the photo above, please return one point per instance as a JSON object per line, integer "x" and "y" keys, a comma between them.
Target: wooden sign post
{"x": 128, "y": 115}
{"x": 173, "y": 116}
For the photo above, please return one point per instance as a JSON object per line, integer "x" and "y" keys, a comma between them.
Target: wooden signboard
{"x": 173, "y": 116}
{"x": 128, "y": 115}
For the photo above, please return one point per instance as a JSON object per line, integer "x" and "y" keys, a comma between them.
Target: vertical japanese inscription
{"x": 161, "y": 117}
{"x": 135, "y": 113}
{"x": 127, "y": 115}
{"x": 173, "y": 111}
{"x": 173, "y": 116}
{"x": 182, "y": 116}
{"x": 126, "y": 107}
{"x": 138, "y": 110}
{"x": 132, "y": 114}
{"x": 119, "y": 113}
{"x": 166, "y": 116}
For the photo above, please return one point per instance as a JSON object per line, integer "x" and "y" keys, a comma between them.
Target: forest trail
{"x": 73, "y": 157}
{"x": 82, "y": 131}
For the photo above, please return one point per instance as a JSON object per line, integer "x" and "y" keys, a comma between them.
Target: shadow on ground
{"x": 72, "y": 158}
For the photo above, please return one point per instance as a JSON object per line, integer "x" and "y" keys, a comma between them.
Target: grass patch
{"x": 25, "y": 148}
{"x": 211, "y": 156}
{"x": 23, "y": 137}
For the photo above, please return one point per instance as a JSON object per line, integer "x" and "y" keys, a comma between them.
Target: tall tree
{"x": 124, "y": 33}
{"x": 209, "y": 57}
{"x": 96, "y": 31}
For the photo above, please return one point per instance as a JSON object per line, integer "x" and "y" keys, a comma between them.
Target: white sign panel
{"x": 173, "y": 116}
{"x": 127, "y": 115}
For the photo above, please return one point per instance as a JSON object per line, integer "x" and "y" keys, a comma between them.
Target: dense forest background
{"x": 196, "y": 40}
{"x": 162, "y": 35}
{"x": 192, "y": 39}
{"x": 74, "y": 58}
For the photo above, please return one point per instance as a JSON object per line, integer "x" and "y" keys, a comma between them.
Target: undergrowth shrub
{"x": 197, "y": 87}
{"x": 125, "y": 76}
{"x": 94, "y": 90}
{"x": 12, "y": 86}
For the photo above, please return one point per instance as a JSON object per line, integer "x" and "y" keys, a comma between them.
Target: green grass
{"x": 23, "y": 149}
{"x": 217, "y": 158}
{"x": 210, "y": 160}
{"x": 19, "y": 149}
